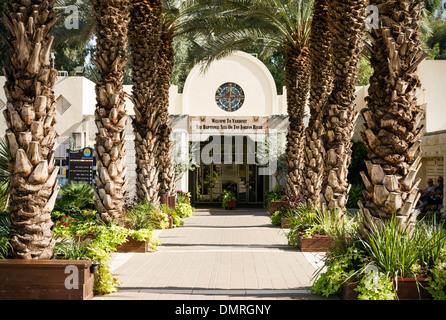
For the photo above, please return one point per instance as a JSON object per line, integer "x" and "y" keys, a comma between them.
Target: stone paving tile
{"x": 217, "y": 255}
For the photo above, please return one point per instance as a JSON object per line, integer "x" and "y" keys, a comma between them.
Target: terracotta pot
{"x": 231, "y": 205}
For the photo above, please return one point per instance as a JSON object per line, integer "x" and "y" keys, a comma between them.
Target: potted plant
{"x": 275, "y": 199}
{"x": 387, "y": 263}
{"x": 315, "y": 229}
{"x": 229, "y": 200}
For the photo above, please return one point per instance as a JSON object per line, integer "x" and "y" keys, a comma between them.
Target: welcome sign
{"x": 228, "y": 125}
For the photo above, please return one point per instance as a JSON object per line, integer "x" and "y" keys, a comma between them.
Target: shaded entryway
{"x": 217, "y": 254}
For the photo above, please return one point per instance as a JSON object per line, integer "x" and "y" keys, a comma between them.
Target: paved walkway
{"x": 217, "y": 255}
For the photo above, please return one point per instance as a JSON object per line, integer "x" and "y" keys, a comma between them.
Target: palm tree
{"x": 347, "y": 27}
{"x": 321, "y": 86}
{"x": 170, "y": 16}
{"x": 391, "y": 131}
{"x": 151, "y": 32}
{"x": 144, "y": 40}
{"x": 110, "y": 115}
{"x": 274, "y": 25}
{"x": 30, "y": 118}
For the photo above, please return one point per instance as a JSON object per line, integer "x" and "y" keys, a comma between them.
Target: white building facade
{"x": 235, "y": 99}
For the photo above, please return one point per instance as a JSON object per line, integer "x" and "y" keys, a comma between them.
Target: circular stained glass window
{"x": 230, "y": 97}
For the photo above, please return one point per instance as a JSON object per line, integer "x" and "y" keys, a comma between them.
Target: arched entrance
{"x": 230, "y": 108}
{"x": 233, "y": 170}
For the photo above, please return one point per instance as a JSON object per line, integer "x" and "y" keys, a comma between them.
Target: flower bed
{"x": 391, "y": 262}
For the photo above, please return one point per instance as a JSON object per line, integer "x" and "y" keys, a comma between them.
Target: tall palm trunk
{"x": 144, "y": 33}
{"x": 30, "y": 118}
{"x": 165, "y": 162}
{"x": 321, "y": 86}
{"x": 298, "y": 71}
{"x": 392, "y": 117}
{"x": 110, "y": 115}
{"x": 347, "y": 26}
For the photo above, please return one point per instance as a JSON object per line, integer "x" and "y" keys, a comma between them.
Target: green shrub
{"x": 437, "y": 281}
{"x": 310, "y": 221}
{"x": 375, "y": 286}
{"x": 228, "y": 195}
{"x": 146, "y": 215}
{"x": 277, "y": 194}
{"x": 5, "y": 234}
{"x": 75, "y": 195}
{"x": 354, "y": 196}
{"x": 99, "y": 249}
{"x": 183, "y": 197}
{"x": 184, "y": 209}
{"x": 395, "y": 251}
{"x": 276, "y": 219}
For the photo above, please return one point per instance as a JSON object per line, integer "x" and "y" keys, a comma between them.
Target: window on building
{"x": 78, "y": 141}
{"x": 62, "y": 104}
{"x": 230, "y": 97}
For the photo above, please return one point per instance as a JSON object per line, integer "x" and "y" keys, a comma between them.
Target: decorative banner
{"x": 228, "y": 125}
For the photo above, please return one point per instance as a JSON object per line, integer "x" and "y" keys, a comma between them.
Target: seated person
{"x": 436, "y": 197}
{"x": 425, "y": 193}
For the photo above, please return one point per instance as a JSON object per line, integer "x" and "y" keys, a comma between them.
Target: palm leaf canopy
{"x": 224, "y": 26}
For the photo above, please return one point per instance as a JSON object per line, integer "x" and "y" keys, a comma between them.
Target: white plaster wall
{"x": 432, "y": 74}
{"x": 241, "y": 68}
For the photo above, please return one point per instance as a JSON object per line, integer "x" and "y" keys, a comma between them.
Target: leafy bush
{"x": 354, "y": 196}
{"x": 277, "y": 194}
{"x": 5, "y": 234}
{"x": 276, "y": 219}
{"x": 375, "y": 286}
{"x": 75, "y": 195}
{"x": 399, "y": 250}
{"x": 394, "y": 251}
{"x": 106, "y": 238}
{"x": 183, "y": 197}
{"x": 228, "y": 195}
{"x": 309, "y": 221}
{"x": 437, "y": 281}
{"x": 184, "y": 209}
{"x": 146, "y": 215}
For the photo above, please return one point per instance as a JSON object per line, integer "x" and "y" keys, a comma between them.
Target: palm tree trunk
{"x": 321, "y": 86}
{"x": 347, "y": 26}
{"x": 110, "y": 116}
{"x": 144, "y": 37}
{"x": 165, "y": 162}
{"x": 30, "y": 120}
{"x": 392, "y": 118}
{"x": 298, "y": 71}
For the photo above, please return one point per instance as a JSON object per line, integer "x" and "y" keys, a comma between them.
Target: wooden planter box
{"x": 276, "y": 205}
{"x": 284, "y": 223}
{"x": 172, "y": 201}
{"x": 133, "y": 245}
{"x": 45, "y": 279}
{"x": 316, "y": 243}
{"x": 407, "y": 289}
{"x": 231, "y": 205}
